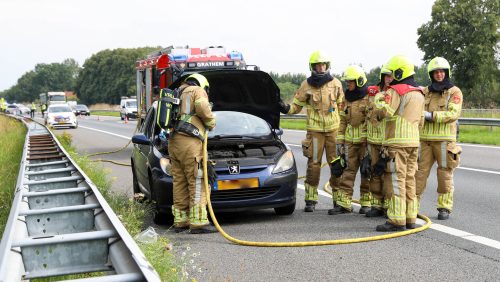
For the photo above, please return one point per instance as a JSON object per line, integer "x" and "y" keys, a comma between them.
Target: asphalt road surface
{"x": 465, "y": 247}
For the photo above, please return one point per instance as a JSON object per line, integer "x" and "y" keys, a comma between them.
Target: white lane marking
{"x": 479, "y": 170}
{"x": 102, "y": 131}
{"x": 439, "y": 227}
{"x": 460, "y": 167}
{"x": 461, "y": 144}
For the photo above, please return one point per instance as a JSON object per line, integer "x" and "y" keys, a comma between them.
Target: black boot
{"x": 389, "y": 227}
{"x": 412, "y": 225}
{"x": 179, "y": 229}
{"x": 310, "y": 206}
{"x": 204, "y": 230}
{"x": 364, "y": 210}
{"x": 443, "y": 214}
{"x": 338, "y": 210}
{"x": 374, "y": 212}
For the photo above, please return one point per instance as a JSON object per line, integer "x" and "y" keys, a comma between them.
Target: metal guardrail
{"x": 60, "y": 223}
{"x": 462, "y": 121}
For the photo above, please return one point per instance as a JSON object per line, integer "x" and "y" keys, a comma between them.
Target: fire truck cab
{"x": 160, "y": 69}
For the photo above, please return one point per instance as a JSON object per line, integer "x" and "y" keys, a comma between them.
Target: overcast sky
{"x": 276, "y": 35}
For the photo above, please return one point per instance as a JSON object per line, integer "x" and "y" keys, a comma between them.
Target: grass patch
{"x": 468, "y": 133}
{"x": 105, "y": 113}
{"x": 131, "y": 213}
{"x": 12, "y": 135}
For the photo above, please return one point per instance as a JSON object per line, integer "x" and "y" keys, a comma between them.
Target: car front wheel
{"x": 286, "y": 210}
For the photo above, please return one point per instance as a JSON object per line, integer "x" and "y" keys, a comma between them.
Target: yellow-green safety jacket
{"x": 403, "y": 111}
{"x": 353, "y": 121}
{"x": 321, "y": 103}
{"x": 195, "y": 108}
{"x": 374, "y": 124}
{"x": 445, "y": 108}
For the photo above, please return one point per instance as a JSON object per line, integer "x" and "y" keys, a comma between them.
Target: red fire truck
{"x": 160, "y": 69}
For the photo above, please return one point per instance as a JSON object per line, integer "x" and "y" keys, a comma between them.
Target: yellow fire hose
{"x": 303, "y": 243}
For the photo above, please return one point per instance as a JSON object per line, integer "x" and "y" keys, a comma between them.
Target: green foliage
{"x": 44, "y": 78}
{"x": 287, "y": 90}
{"x": 466, "y": 34}
{"x": 110, "y": 74}
{"x": 294, "y": 78}
{"x": 12, "y": 134}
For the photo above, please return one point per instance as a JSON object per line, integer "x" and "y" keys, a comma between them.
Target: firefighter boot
{"x": 389, "y": 227}
{"x": 412, "y": 225}
{"x": 443, "y": 214}
{"x": 374, "y": 212}
{"x": 338, "y": 210}
{"x": 310, "y": 206}
{"x": 203, "y": 230}
{"x": 364, "y": 210}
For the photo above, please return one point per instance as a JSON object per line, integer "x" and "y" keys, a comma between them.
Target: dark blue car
{"x": 255, "y": 168}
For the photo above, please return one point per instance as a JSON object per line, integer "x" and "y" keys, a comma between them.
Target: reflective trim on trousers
{"x": 311, "y": 192}
{"x": 198, "y": 215}
{"x": 198, "y": 186}
{"x": 443, "y": 154}
{"x": 445, "y": 201}
{"x": 180, "y": 217}
{"x": 315, "y": 149}
{"x": 394, "y": 177}
{"x": 366, "y": 200}
{"x": 344, "y": 200}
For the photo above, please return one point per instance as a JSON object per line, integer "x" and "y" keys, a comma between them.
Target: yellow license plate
{"x": 238, "y": 184}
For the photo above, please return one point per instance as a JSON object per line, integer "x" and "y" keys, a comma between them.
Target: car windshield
{"x": 62, "y": 109}
{"x": 236, "y": 124}
{"x": 58, "y": 98}
{"x": 81, "y": 107}
{"x": 132, "y": 104}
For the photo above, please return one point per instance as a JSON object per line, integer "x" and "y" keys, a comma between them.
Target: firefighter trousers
{"x": 399, "y": 185}
{"x": 190, "y": 201}
{"x": 354, "y": 154}
{"x": 312, "y": 148}
{"x": 447, "y": 156}
{"x": 376, "y": 182}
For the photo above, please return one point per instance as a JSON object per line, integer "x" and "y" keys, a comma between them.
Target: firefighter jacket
{"x": 353, "y": 121}
{"x": 445, "y": 108}
{"x": 195, "y": 108}
{"x": 402, "y": 108}
{"x": 321, "y": 104}
{"x": 374, "y": 124}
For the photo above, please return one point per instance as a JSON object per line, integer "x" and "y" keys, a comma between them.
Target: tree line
{"x": 464, "y": 32}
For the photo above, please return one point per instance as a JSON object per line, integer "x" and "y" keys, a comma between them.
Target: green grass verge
{"x": 12, "y": 134}
{"x": 105, "y": 113}
{"x": 468, "y": 133}
{"x": 131, "y": 213}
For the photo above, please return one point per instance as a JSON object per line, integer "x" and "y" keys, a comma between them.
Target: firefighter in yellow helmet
{"x": 375, "y": 137}
{"x": 186, "y": 152}
{"x": 321, "y": 95}
{"x": 351, "y": 140}
{"x": 443, "y": 104}
{"x": 402, "y": 108}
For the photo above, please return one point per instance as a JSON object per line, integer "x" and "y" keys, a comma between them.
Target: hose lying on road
{"x": 303, "y": 243}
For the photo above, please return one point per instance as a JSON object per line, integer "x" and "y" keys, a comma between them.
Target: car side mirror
{"x": 141, "y": 139}
{"x": 278, "y": 131}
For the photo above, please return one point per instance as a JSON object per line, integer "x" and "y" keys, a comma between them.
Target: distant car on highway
{"x": 60, "y": 115}
{"x": 81, "y": 109}
{"x": 255, "y": 168}
{"x": 17, "y": 109}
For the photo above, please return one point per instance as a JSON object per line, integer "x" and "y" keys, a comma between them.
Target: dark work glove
{"x": 366, "y": 167}
{"x": 380, "y": 165}
{"x": 212, "y": 175}
{"x": 338, "y": 165}
{"x": 284, "y": 108}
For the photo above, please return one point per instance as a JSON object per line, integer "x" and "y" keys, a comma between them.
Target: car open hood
{"x": 252, "y": 92}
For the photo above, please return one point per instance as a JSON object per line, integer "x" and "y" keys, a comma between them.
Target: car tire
{"x": 286, "y": 210}
{"x": 121, "y": 117}
{"x": 135, "y": 183}
{"x": 159, "y": 217}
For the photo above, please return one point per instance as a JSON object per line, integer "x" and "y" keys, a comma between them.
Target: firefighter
{"x": 443, "y": 103}
{"x": 351, "y": 140}
{"x": 186, "y": 152}
{"x": 402, "y": 107}
{"x": 33, "y": 108}
{"x": 43, "y": 107}
{"x": 375, "y": 136}
{"x": 321, "y": 95}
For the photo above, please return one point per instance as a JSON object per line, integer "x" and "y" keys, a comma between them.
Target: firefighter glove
{"x": 428, "y": 116}
{"x": 284, "y": 108}
{"x": 211, "y": 174}
{"x": 338, "y": 165}
{"x": 340, "y": 149}
{"x": 366, "y": 167}
{"x": 380, "y": 165}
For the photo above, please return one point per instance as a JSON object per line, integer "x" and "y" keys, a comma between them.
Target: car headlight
{"x": 166, "y": 166}
{"x": 285, "y": 162}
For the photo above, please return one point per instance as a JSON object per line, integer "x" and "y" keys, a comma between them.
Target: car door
{"x": 141, "y": 152}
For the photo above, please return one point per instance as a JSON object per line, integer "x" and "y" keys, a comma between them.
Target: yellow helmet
{"x": 384, "y": 70}
{"x": 200, "y": 79}
{"x": 318, "y": 57}
{"x": 401, "y": 67}
{"x": 438, "y": 63}
{"x": 355, "y": 73}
